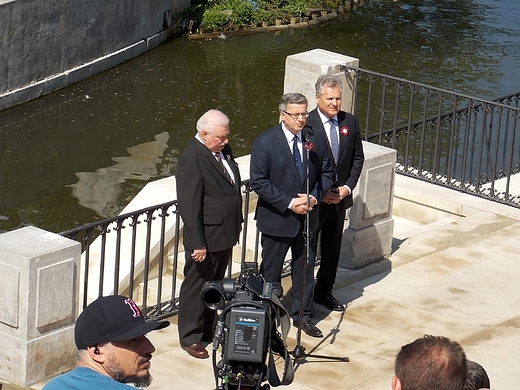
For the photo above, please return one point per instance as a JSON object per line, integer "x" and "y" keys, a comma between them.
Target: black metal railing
{"x": 443, "y": 137}
{"x": 446, "y": 138}
{"x": 136, "y": 254}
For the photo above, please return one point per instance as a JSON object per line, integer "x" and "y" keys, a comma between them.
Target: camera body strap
{"x": 282, "y": 321}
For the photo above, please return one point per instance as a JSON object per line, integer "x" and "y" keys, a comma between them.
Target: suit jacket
{"x": 275, "y": 179}
{"x": 351, "y": 156}
{"x": 210, "y": 206}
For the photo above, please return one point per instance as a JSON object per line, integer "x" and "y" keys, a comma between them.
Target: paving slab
{"x": 456, "y": 277}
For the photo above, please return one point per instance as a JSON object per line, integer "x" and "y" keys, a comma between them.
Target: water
{"x": 82, "y": 153}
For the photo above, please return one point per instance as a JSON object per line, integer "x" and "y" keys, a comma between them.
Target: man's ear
{"x": 96, "y": 354}
{"x": 396, "y": 384}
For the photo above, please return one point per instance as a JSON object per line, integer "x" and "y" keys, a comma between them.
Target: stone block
{"x": 365, "y": 246}
{"x": 368, "y": 237}
{"x": 59, "y": 274}
{"x": 39, "y": 296}
{"x": 9, "y": 293}
{"x": 303, "y": 69}
{"x": 25, "y": 363}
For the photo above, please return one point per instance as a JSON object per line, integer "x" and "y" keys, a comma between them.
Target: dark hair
{"x": 477, "y": 377}
{"x": 431, "y": 362}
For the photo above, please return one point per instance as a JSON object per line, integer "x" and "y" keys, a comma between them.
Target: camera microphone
{"x": 218, "y": 334}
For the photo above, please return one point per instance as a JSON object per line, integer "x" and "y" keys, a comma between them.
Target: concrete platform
{"x": 456, "y": 275}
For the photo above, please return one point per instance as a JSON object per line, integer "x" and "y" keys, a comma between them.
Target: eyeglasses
{"x": 297, "y": 115}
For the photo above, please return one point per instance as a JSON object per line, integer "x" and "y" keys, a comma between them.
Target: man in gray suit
{"x": 278, "y": 161}
{"x": 210, "y": 204}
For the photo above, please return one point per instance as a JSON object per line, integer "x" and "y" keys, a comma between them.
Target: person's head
{"x": 477, "y": 377}
{"x": 293, "y": 111}
{"x": 110, "y": 337}
{"x": 213, "y": 130}
{"x": 328, "y": 95}
{"x": 430, "y": 362}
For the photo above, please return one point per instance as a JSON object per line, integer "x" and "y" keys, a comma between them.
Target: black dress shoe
{"x": 309, "y": 328}
{"x": 196, "y": 350}
{"x": 329, "y": 302}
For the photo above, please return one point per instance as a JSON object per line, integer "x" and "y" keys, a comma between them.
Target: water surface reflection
{"x": 82, "y": 153}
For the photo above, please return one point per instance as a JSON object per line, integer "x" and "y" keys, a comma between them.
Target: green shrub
{"x": 296, "y": 7}
{"x": 235, "y": 12}
{"x": 238, "y": 13}
{"x": 213, "y": 18}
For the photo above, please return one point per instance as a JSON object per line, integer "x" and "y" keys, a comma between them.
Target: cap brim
{"x": 141, "y": 330}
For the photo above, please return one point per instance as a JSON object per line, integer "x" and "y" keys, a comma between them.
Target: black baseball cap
{"x": 112, "y": 318}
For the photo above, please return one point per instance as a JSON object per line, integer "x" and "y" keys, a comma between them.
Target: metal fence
{"x": 137, "y": 254}
{"x": 446, "y": 138}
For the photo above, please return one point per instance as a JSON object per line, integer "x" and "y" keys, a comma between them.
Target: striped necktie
{"x": 223, "y": 168}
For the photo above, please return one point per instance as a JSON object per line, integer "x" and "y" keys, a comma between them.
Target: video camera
{"x": 246, "y": 330}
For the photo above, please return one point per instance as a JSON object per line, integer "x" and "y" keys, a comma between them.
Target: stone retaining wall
{"x": 46, "y": 45}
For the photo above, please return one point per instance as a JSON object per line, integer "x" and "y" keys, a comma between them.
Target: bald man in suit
{"x": 210, "y": 205}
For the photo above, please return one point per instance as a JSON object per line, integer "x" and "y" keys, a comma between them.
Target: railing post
{"x": 303, "y": 69}
{"x": 39, "y": 294}
{"x": 370, "y": 230}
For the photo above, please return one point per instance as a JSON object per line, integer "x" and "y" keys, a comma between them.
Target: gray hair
{"x": 291, "y": 98}
{"x": 327, "y": 80}
{"x": 210, "y": 120}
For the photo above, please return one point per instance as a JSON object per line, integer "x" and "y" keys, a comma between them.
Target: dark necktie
{"x": 297, "y": 157}
{"x": 334, "y": 142}
{"x": 223, "y": 168}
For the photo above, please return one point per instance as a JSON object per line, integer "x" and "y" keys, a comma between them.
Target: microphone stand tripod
{"x": 299, "y": 350}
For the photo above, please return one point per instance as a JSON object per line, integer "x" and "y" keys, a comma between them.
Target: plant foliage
{"x": 227, "y": 14}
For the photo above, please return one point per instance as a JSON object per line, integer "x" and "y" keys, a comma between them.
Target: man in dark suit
{"x": 346, "y": 150}
{"x": 278, "y": 161}
{"x": 210, "y": 204}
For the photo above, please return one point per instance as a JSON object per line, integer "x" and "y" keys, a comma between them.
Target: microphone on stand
{"x": 299, "y": 350}
{"x": 307, "y": 133}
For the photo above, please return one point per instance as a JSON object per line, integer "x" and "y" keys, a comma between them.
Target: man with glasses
{"x": 278, "y": 175}
{"x": 346, "y": 151}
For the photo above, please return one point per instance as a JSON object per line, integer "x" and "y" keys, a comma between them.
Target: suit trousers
{"x": 195, "y": 322}
{"x": 332, "y": 221}
{"x": 274, "y": 251}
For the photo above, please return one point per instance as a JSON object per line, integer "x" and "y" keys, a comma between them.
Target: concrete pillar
{"x": 370, "y": 230}
{"x": 303, "y": 69}
{"x": 368, "y": 236}
{"x": 39, "y": 295}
